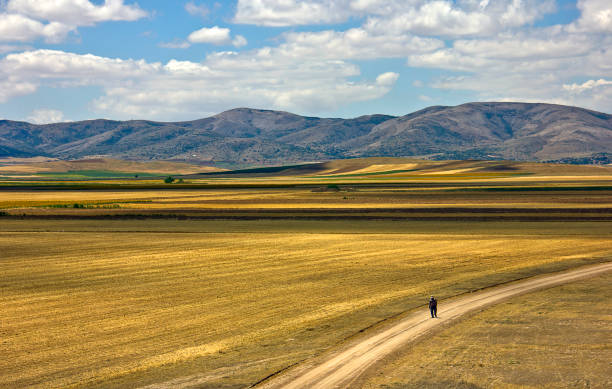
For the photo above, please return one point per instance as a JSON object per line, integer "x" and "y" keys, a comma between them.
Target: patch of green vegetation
{"x": 82, "y": 206}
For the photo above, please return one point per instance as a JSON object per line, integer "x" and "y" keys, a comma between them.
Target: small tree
{"x": 169, "y": 180}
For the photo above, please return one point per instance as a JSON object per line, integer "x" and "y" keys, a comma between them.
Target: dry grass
{"x": 35, "y": 165}
{"x": 223, "y": 303}
{"x": 116, "y": 309}
{"x": 296, "y": 198}
{"x": 557, "y": 338}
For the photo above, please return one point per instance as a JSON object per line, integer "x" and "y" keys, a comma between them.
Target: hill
{"x": 243, "y": 136}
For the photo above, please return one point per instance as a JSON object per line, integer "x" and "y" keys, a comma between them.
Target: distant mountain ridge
{"x": 244, "y": 136}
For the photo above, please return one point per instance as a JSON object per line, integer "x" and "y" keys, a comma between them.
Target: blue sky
{"x": 183, "y": 60}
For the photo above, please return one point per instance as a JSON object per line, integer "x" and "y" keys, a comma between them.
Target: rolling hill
{"x": 244, "y": 136}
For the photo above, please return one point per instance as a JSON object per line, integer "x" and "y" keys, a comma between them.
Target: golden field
{"x": 112, "y": 309}
{"x": 219, "y": 281}
{"x": 556, "y": 338}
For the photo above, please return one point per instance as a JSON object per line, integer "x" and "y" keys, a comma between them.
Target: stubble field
{"x": 219, "y": 287}
{"x": 556, "y": 338}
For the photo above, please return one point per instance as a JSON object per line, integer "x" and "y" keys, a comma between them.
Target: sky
{"x": 65, "y": 60}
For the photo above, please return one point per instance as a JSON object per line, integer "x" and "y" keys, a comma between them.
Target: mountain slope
{"x": 514, "y": 131}
{"x": 243, "y": 136}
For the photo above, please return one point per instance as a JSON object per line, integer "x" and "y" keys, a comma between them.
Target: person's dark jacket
{"x": 433, "y": 303}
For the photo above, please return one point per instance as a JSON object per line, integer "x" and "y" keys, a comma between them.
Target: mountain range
{"x": 244, "y": 136}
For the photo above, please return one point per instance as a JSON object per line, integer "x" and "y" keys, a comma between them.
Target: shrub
{"x": 169, "y": 180}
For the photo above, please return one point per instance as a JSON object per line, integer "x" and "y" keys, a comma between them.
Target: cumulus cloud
{"x": 18, "y": 28}
{"x": 12, "y": 87}
{"x": 280, "y": 13}
{"x": 356, "y": 43}
{"x": 387, "y": 79}
{"x": 461, "y": 18}
{"x": 185, "y": 89}
{"x": 595, "y": 16}
{"x": 434, "y": 18}
{"x": 528, "y": 66}
{"x": 196, "y": 9}
{"x": 216, "y": 36}
{"x": 526, "y": 46}
{"x": 12, "y": 48}
{"x": 45, "y": 116}
{"x": 491, "y": 48}
{"x": 76, "y": 12}
{"x": 587, "y": 85}
{"x": 70, "y": 69}
{"x": 28, "y": 20}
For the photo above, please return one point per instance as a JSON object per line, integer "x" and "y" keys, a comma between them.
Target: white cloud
{"x": 434, "y": 18}
{"x": 76, "y": 12}
{"x": 175, "y": 44}
{"x": 239, "y": 41}
{"x": 12, "y": 87}
{"x": 387, "y": 79}
{"x": 355, "y": 43}
{"x": 279, "y": 13}
{"x": 492, "y": 50}
{"x": 587, "y": 85}
{"x": 461, "y": 18}
{"x": 196, "y": 9}
{"x": 184, "y": 89}
{"x": 45, "y": 116}
{"x": 28, "y": 20}
{"x": 18, "y": 28}
{"x": 12, "y": 48}
{"x": 69, "y": 69}
{"x": 526, "y": 46}
{"x": 216, "y": 36}
{"x": 595, "y": 16}
{"x": 535, "y": 64}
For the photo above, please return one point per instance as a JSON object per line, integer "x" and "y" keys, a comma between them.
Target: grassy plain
{"x": 220, "y": 283}
{"x": 556, "y": 338}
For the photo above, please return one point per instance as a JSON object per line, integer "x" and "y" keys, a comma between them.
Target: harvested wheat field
{"x": 221, "y": 280}
{"x": 556, "y": 338}
{"x": 115, "y": 309}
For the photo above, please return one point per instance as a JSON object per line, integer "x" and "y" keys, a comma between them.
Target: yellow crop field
{"x": 299, "y": 198}
{"x": 89, "y": 307}
{"x": 556, "y": 338}
{"x": 218, "y": 281}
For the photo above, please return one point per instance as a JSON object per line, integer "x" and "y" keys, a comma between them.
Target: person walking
{"x": 433, "y": 306}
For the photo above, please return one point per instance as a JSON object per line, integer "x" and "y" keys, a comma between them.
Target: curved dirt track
{"x": 342, "y": 368}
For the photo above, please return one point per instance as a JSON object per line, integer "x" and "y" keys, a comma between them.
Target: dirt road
{"x": 342, "y": 368}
